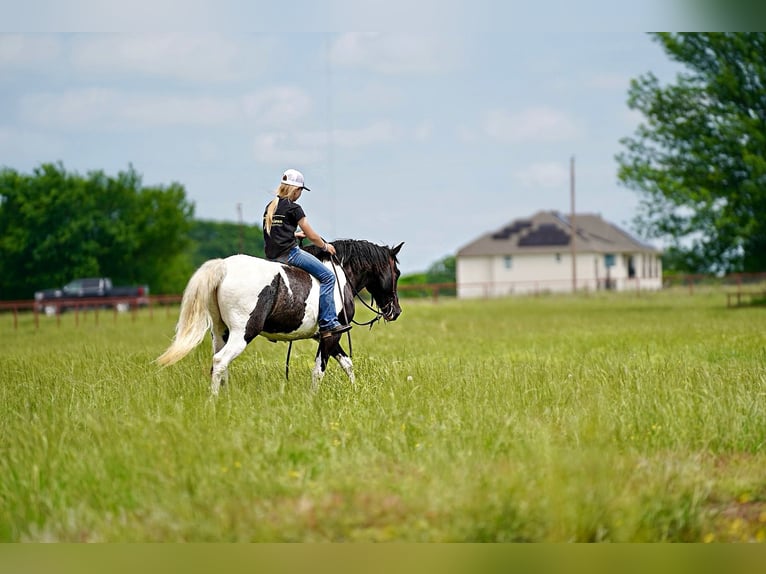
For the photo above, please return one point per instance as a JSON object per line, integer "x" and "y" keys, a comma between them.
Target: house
{"x": 534, "y": 255}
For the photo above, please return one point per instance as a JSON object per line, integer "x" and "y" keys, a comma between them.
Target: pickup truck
{"x": 86, "y": 292}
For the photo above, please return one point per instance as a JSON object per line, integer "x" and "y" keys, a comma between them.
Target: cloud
{"x": 201, "y": 58}
{"x": 190, "y": 57}
{"x": 632, "y": 118}
{"x": 24, "y": 145}
{"x": 104, "y": 109}
{"x": 277, "y": 105}
{"x": 314, "y": 146}
{"x": 542, "y": 175}
{"x": 619, "y": 82}
{"x": 372, "y": 95}
{"x": 373, "y": 134}
{"x": 393, "y": 53}
{"x": 537, "y": 124}
{"x": 423, "y": 131}
{"x": 137, "y": 15}
{"x": 28, "y": 51}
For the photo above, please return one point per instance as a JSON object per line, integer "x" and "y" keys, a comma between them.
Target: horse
{"x": 240, "y": 297}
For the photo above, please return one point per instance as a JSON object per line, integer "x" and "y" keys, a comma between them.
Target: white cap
{"x": 294, "y": 177}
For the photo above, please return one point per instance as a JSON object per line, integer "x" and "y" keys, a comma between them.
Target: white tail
{"x": 194, "y": 319}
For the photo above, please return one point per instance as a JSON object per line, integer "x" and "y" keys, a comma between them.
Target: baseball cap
{"x": 294, "y": 177}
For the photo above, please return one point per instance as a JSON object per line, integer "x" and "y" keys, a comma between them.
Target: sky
{"x": 429, "y": 136}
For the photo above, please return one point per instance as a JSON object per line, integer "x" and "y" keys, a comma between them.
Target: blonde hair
{"x": 284, "y": 191}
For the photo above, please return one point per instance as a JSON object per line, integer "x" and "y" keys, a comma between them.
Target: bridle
{"x": 381, "y": 313}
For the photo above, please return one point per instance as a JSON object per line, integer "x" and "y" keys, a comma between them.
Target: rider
{"x": 281, "y": 219}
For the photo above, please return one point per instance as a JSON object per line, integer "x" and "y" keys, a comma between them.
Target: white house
{"x": 534, "y": 255}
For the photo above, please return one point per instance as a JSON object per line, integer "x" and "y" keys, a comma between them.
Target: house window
{"x": 507, "y": 261}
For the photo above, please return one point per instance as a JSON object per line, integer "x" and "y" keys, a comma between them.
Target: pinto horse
{"x": 241, "y": 297}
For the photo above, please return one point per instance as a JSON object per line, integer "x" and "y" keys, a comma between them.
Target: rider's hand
{"x": 299, "y": 234}
{"x": 329, "y": 248}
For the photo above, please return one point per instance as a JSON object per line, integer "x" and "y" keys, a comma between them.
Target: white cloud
{"x": 277, "y": 105}
{"x": 538, "y": 124}
{"x": 24, "y": 145}
{"x": 96, "y": 15}
{"x": 543, "y": 175}
{"x": 193, "y": 57}
{"x": 609, "y": 82}
{"x": 103, "y": 109}
{"x": 27, "y": 51}
{"x": 373, "y": 134}
{"x": 393, "y": 53}
{"x": 372, "y": 95}
{"x": 632, "y": 118}
{"x": 423, "y": 131}
{"x": 283, "y": 147}
{"x": 311, "y": 147}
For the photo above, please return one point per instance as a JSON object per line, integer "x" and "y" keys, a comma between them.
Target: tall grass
{"x": 602, "y": 418}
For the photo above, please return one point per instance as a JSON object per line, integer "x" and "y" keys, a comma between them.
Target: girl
{"x": 281, "y": 219}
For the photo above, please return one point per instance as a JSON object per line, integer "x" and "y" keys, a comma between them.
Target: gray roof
{"x": 550, "y": 232}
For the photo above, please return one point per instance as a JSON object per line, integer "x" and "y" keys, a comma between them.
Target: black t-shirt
{"x": 283, "y": 225}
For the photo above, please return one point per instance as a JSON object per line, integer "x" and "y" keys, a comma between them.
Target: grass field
{"x": 602, "y": 418}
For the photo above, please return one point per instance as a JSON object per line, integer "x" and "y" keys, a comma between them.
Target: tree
{"x": 699, "y": 157}
{"x": 56, "y": 226}
{"x": 443, "y": 271}
{"x": 220, "y": 239}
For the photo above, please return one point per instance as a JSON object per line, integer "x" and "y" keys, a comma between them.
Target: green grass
{"x": 602, "y": 418}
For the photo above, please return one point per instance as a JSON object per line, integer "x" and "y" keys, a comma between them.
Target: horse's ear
{"x": 395, "y": 250}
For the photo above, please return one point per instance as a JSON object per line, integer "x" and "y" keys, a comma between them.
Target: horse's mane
{"x": 359, "y": 255}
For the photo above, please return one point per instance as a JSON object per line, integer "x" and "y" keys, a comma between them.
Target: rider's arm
{"x": 314, "y": 237}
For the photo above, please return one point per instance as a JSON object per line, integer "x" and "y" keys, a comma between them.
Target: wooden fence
{"x": 97, "y": 305}
{"x": 740, "y": 289}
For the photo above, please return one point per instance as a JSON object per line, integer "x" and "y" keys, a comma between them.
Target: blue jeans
{"x": 297, "y": 257}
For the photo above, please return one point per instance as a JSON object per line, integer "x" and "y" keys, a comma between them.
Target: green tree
{"x": 443, "y": 271}
{"x": 56, "y": 226}
{"x": 212, "y": 239}
{"x": 699, "y": 157}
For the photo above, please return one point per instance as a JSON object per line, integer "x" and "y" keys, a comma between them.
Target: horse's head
{"x": 382, "y": 285}
{"x": 369, "y": 266}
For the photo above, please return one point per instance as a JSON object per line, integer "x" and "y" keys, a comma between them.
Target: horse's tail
{"x": 194, "y": 319}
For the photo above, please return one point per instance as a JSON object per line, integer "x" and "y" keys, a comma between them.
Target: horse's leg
{"x": 219, "y": 338}
{"x": 231, "y": 350}
{"x": 344, "y": 361}
{"x": 242, "y": 330}
{"x": 220, "y": 335}
{"x": 326, "y": 344}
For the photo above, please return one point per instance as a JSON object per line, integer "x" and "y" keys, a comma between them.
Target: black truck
{"x": 90, "y": 292}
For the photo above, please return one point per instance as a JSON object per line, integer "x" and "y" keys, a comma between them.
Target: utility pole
{"x": 241, "y": 229}
{"x": 573, "y": 224}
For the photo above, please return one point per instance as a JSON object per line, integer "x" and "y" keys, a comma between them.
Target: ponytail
{"x": 270, "y": 214}
{"x": 283, "y": 191}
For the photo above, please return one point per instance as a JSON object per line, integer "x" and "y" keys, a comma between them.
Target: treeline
{"x": 442, "y": 272}
{"x": 56, "y": 226}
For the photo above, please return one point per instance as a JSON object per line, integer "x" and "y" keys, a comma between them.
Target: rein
{"x": 378, "y": 313}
